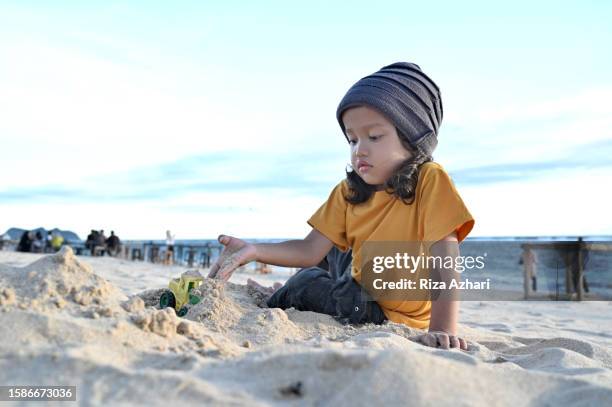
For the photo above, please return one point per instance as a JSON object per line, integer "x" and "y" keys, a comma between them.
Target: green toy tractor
{"x": 179, "y": 293}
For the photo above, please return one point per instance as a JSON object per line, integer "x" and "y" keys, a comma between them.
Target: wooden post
{"x": 526, "y": 286}
{"x": 580, "y": 288}
{"x": 569, "y": 283}
{"x": 191, "y": 256}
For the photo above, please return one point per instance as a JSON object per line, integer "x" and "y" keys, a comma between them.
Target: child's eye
{"x": 352, "y": 141}
{"x": 374, "y": 138}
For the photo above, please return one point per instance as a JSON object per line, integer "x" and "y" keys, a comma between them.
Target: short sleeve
{"x": 330, "y": 218}
{"x": 441, "y": 209}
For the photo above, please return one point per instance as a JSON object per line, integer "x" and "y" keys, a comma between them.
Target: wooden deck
{"x": 568, "y": 249}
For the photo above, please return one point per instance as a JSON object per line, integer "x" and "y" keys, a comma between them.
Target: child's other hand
{"x": 440, "y": 339}
{"x": 235, "y": 253}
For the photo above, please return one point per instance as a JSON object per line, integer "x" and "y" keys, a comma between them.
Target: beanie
{"x": 406, "y": 96}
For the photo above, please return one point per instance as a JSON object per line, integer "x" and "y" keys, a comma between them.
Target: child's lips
{"x": 363, "y": 165}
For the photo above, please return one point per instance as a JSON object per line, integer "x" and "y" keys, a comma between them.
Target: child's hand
{"x": 235, "y": 253}
{"x": 440, "y": 339}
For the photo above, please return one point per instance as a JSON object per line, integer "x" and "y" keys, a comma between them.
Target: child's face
{"x": 376, "y": 150}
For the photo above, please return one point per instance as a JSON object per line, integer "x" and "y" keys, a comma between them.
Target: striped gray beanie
{"x": 406, "y": 96}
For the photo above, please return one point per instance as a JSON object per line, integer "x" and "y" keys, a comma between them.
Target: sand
{"x": 94, "y": 323}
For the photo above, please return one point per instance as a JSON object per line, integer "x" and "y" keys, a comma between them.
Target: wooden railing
{"x": 567, "y": 249}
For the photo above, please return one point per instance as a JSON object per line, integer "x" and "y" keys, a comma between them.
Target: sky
{"x": 219, "y": 117}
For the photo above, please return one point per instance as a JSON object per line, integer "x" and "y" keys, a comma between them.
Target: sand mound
{"x": 163, "y": 322}
{"x": 58, "y": 299}
{"x": 151, "y": 297}
{"x": 229, "y": 309}
{"x": 216, "y": 310}
{"x": 586, "y": 349}
{"x": 53, "y": 281}
{"x": 236, "y": 311}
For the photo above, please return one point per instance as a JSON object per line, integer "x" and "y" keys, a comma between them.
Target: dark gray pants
{"x": 329, "y": 289}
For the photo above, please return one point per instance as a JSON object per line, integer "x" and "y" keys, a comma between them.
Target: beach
{"x": 94, "y": 323}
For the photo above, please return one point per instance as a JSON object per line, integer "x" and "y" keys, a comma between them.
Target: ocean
{"x": 502, "y": 262}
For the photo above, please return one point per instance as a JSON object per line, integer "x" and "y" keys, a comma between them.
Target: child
{"x": 393, "y": 191}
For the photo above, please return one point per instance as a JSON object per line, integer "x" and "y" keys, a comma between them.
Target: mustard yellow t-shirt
{"x": 436, "y": 212}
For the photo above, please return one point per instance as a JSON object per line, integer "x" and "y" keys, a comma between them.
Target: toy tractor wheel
{"x": 182, "y": 312}
{"x": 193, "y": 299}
{"x": 167, "y": 300}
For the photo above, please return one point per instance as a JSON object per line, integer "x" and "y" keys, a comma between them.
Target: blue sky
{"x": 208, "y": 119}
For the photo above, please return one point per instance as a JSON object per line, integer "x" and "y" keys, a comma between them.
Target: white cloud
{"x": 67, "y": 112}
{"x": 564, "y": 204}
{"x": 586, "y": 103}
{"x": 536, "y": 131}
{"x": 278, "y": 214}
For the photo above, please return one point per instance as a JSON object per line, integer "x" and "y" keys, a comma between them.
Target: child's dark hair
{"x": 402, "y": 183}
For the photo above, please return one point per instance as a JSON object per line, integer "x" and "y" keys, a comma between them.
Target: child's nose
{"x": 360, "y": 149}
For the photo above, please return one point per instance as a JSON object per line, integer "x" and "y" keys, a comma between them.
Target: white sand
{"x": 69, "y": 321}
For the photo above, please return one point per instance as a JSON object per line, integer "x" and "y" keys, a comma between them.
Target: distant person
{"x": 169, "y": 259}
{"x": 38, "y": 243}
{"x": 3, "y": 240}
{"x": 113, "y": 244}
{"x": 208, "y": 255}
{"x": 101, "y": 240}
{"x": 57, "y": 240}
{"x": 48, "y": 248}
{"x": 90, "y": 243}
{"x": 530, "y": 260}
{"x": 262, "y": 268}
{"x": 575, "y": 265}
{"x": 570, "y": 254}
{"x": 100, "y": 246}
{"x": 25, "y": 242}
